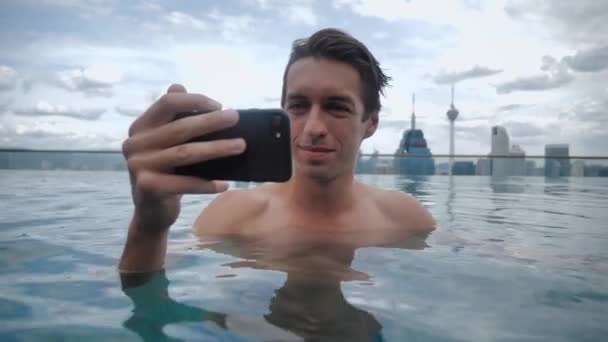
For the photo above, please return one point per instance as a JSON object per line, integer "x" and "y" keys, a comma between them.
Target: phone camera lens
{"x": 276, "y": 121}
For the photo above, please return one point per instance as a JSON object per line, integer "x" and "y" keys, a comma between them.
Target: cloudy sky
{"x": 75, "y": 73}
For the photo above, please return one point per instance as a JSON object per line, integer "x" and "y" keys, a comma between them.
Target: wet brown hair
{"x": 340, "y": 46}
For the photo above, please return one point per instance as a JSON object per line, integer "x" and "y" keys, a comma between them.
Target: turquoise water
{"x": 518, "y": 259}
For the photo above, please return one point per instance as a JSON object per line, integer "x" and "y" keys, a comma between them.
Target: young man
{"x": 331, "y": 91}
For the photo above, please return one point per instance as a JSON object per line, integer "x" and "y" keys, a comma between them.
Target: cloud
{"x": 232, "y": 28}
{"x": 472, "y": 132}
{"x": 97, "y": 80}
{"x": 392, "y": 10}
{"x": 381, "y": 35}
{"x": 202, "y": 26}
{"x": 510, "y": 107}
{"x": 43, "y": 108}
{"x": 302, "y": 14}
{"x": 149, "y": 6}
{"x": 475, "y": 118}
{"x": 185, "y": 20}
{"x": 86, "y": 8}
{"x": 295, "y": 11}
{"x": 578, "y": 22}
{"x": 395, "y": 124}
{"x": 272, "y": 100}
{"x": 46, "y": 138}
{"x": 454, "y": 77}
{"x": 4, "y": 104}
{"x": 518, "y": 129}
{"x": 555, "y": 75}
{"x": 591, "y": 60}
{"x": 8, "y": 78}
{"x": 588, "y": 110}
{"x": 131, "y": 112}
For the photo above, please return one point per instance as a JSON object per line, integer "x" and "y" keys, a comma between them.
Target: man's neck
{"x": 322, "y": 197}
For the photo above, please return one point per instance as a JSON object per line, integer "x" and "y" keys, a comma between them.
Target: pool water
{"x": 513, "y": 259}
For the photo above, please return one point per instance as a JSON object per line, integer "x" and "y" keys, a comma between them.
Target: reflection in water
{"x": 309, "y": 306}
{"x": 416, "y": 186}
{"x": 154, "y": 309}
{"x": 503, "y": 185}
{"x": 511, "y": 184}
{"x": 557, "y": 186}
{"x": 450, "y": 200}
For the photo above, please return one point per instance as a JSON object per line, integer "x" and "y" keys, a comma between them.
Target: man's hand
{"x": 156, "y": 145}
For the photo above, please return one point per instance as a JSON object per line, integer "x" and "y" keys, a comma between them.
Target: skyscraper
{"x": 413, "y": 157}
{"x": 452, "y": 114}
{"x": 517, "y": 164}
{"x": 483, "y": 167}
{"x": 500, "y": 146}
{"x": 578, "y": 169}
{"x": 463, "y": 168}
{"x": 531, "y": 168}
{"x": 559, "y": 165}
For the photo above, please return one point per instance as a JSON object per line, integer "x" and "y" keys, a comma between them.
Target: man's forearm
{"x": 144, "y": 251}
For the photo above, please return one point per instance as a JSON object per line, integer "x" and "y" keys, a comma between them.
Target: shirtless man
{"x": 331, "y": 91}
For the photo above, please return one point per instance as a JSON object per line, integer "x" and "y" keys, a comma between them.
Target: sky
{"x": 74, "y": 74}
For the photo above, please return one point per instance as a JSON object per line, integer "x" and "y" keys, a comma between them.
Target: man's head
{"x": 331, "y": 90}
{"x": 339, "y": 46}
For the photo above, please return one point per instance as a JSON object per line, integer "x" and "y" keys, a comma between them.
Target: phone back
{"x": 267, "y": 157}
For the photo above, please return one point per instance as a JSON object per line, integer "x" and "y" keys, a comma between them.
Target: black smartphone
{"x": 267, "y": 157}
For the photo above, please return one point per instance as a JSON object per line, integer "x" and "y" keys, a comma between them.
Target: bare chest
{"x": 366, "y": 223}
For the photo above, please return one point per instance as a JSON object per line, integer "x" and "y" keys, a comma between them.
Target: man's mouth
{"x": 317, "y": 149}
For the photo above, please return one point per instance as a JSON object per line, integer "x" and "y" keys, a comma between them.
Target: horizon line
{"x": 393, "y": 155}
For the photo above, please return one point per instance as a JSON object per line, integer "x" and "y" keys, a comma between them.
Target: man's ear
{"x": 372, "y": 125}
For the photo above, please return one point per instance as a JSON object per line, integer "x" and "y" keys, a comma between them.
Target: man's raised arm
{"x": 156, "y": 145}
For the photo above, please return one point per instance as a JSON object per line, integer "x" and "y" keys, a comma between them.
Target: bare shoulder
{"x": 230, "y": 210}
{"x": 404, "y": 209}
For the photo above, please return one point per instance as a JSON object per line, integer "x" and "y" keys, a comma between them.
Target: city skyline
{"x": 77, "y": 75}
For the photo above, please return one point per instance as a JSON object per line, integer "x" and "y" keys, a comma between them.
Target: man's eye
{"x": 334, "y": 107}
{"x": 296, "y": 105}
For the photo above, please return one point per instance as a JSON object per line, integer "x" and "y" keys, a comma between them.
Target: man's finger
{"x": 180, "y": 131}
{"x": 152, "y": 182}
{"x": 186, "y": 154}
{"x": 168, "y": 105}
{"x": 176, "y": 88}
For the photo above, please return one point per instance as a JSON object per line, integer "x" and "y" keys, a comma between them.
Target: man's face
{"x": 323, "y": 99}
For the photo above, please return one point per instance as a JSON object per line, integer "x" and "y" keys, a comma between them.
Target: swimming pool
{"x": 522, "y": 258}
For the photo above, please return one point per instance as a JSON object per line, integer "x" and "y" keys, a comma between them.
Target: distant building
{"x": 5, "y": 160}
{"x": 360, "y": 165}
{"x": 384, "y": 166}
{"x": 595, "y": 170}
{"x": 578, "y": 169}
{"x": 509, "y": 161}
{"x": 463, "y": 168}
{"x": 559, "y": 165}
{"x": 442, "y": 169}
{"x": 483, "y": 167}
{"x": 517, "y": 164}
{"x": 531, "y": 168}
{"x": 500, "y": 146}
{"x": 49, "y": 160}
{"x": 413, "y": 157}
{"x": 366, "y": 165}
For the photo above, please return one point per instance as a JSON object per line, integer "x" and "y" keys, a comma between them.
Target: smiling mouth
{"x": 316, "y": 149}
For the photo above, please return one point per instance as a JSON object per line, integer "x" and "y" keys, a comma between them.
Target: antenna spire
{"x": 413, "y": 111}
{"x": 452, "y": 95}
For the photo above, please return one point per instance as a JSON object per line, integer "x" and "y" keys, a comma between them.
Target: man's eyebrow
{"x": 296, "y": 97}
{"x": 339, "y": 98}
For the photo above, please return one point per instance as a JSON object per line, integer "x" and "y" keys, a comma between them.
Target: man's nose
{"x": 315, "y": 124}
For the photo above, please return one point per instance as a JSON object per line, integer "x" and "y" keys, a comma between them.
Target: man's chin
{"x": 316, "y": 170}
